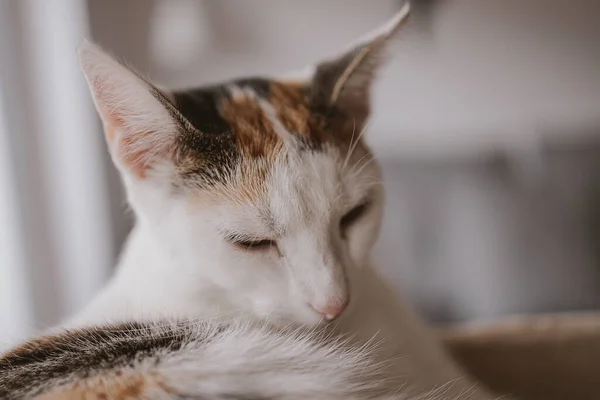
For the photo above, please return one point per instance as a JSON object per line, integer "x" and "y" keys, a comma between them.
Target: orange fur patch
{"x": 111, "y": 386}
{"x": 255, "y": 133}
{"x": 290, "y": 100}
{"x": 258, "y": 142}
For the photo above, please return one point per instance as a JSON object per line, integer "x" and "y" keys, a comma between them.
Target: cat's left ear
{"x": 141, "y": 125}
{"x": 344, "y": 83}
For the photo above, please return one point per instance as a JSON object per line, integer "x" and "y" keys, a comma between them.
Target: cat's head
{"x": 262, "y": 187}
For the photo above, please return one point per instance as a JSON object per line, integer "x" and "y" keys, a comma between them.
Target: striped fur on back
{"x": 185, "y": 360}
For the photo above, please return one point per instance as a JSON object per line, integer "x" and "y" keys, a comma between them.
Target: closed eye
{"x": 352, "y": 216}
{"x": 251, "y": 244}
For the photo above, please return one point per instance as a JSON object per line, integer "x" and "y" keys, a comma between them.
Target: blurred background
{"x": 487, "y": 123}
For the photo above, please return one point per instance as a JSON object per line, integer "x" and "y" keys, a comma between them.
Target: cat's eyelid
{"x": 355, "y": 213}
{"x": 249, "y": 243}
{"x": 364, "y": 203}
{"x": 236, "y": 238}
{"x": 233, "y": 236}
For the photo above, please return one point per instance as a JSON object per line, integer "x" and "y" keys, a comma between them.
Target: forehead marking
{"x": 244, "y": 126}
{"x": 246, "y": 94}
{"x": 288, "y": 138}
{"x": 253, "y": 131}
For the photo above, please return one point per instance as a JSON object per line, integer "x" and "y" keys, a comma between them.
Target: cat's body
{"x": 200, "y": 361}
{"x": 256, "y": 200}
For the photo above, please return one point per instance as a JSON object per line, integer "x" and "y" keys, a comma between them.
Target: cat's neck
{"x": 150, "y": 283}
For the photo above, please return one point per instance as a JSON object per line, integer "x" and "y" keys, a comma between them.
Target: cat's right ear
{"x": 140, "y": 124}
{"x": 343, "y": 84}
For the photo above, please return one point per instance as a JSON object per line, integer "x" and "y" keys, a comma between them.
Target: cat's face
{"x": 264, "y": 188}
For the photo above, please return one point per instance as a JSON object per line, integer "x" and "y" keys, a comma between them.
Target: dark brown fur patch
{"x": 30, "y": 369}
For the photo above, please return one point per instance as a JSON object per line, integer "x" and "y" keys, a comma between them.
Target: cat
{"x": 258, "y": 199}
{"x": 201, "y": 360}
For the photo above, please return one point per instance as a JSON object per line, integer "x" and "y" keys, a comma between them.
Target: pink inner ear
{"x": 137, "y": 128}
{"x": 110, "y": 121}
{"x": 135, "y": 157}
{"x": 134, "y": 160}
{"x": 109, "y": 132}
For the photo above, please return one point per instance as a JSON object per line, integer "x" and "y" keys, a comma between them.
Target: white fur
{"x": 295, "y": 365}
{"x": 177, "y": 263}
{"x": 233, "y": 361}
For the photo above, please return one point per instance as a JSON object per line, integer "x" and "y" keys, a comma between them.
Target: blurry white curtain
{"x": 56, "y": 246}
{"x": 15, "y": 303}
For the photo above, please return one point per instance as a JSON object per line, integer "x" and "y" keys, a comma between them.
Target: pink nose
{"x": 332, "y": 309}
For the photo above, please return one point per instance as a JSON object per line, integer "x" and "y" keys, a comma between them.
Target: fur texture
{"x": 184, "y": 360}
{"x": 258, "y": 199}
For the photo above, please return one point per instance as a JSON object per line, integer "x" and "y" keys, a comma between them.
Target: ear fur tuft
{"x": 345, "y": 81}
{"x": 138, "y": 121}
